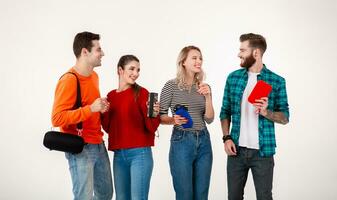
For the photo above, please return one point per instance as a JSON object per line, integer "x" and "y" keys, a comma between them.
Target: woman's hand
{"x": 204, "y": 89}
{"x": 156, "y": 108}
{"x": 179, "y": 120}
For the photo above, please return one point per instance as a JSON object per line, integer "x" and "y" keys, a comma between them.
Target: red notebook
{"x": 261, "y": 89}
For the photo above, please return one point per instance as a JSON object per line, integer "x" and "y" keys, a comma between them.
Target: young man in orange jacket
{"x": 90, "y": 170}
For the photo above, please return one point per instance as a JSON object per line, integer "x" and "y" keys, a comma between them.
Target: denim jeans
{"x": 191, "y": 160}
{"x": 237, "y": 172}
{"x": 132, "y": 170}
{"x": 91, "y": 173}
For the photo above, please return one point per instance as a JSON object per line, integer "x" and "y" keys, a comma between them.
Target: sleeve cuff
{"x": 86, "y": 111}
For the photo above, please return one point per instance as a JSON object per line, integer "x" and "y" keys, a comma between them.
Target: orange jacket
{"x": 65, "y": 96}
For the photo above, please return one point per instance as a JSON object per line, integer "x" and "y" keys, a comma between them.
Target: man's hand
{"x": 261, "y": 106}
{"x": 230, "y": 148}
{"x": 100, "y": 105}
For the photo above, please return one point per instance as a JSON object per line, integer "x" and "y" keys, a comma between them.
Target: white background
{"x": 36, "y": 48}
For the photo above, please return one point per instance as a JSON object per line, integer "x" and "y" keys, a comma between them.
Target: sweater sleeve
{"x": 105, "y": 117}
{"x": 151, "y": 124}
{"x": 226, "y": 112}
{"x": 166, "y": 97}
{"x": 65, "y": 97}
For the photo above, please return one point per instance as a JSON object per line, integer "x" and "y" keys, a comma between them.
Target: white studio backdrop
{"x": 36, "y": 38}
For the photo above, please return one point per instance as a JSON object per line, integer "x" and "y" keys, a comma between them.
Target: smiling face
{"x": 94, "y": 56}
{"x": 193, "y": 61}
{"x": 129, "y": 72}
{"x": 246, "y": 56}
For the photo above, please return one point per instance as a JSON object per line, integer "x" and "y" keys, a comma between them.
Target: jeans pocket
{"x": 207, "y": 135}
{"x": 267, "y": 162}
{"x": 177, "y": 136}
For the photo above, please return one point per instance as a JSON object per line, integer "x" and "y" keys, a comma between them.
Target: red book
{"x": 261, "y": 89}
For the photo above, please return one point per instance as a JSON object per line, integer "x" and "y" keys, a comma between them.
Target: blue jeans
{"x": 237, "y": 172}
{"x": 132, "y": 173}
{"x": 191, "y": 163}
{"x": 91, "y": 173}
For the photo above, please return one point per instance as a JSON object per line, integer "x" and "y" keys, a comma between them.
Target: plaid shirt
{"x": 277, "y": 102}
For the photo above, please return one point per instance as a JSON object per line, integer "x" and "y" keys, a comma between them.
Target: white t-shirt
{"x": 249, "y": 126}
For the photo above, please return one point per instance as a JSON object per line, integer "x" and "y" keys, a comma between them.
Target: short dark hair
{"x": 255, "y": 41}
{"x": 84, "y": 40}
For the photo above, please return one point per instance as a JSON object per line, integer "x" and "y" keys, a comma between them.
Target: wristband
{"x": 226, "y": 137}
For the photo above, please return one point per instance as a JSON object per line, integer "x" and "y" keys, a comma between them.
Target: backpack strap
{"x": 78, "y": 102}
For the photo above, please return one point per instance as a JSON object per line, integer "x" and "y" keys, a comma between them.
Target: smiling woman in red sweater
{"x": 131, "y": 132}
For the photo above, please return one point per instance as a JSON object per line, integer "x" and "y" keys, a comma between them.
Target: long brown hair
{"x": 123, "y": 61}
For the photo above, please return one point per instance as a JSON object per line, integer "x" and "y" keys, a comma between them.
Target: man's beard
{"x": 248, "y": 62}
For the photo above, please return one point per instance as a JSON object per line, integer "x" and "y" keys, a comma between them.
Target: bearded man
{"x": 250, "y": 143}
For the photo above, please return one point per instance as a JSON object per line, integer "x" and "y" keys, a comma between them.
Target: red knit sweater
{"x": 127, "y": 123}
